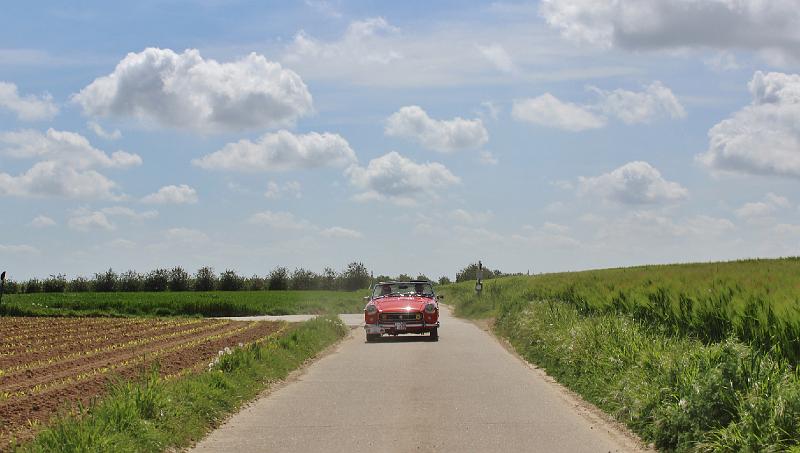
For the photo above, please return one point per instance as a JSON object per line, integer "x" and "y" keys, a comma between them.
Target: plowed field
{"x": 47, "y": 364}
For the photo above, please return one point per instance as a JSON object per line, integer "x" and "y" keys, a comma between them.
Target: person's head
{"x": 386, "y": 290}
{"x": 419, "y": 288}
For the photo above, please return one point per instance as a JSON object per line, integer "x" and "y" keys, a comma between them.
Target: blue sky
{"x": 413, "y": 136}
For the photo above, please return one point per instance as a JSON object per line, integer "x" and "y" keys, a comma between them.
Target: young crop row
{"x": 115, "y": 347}
{"x": 23, "y": 391}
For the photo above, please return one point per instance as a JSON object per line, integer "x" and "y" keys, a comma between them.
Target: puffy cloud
{"x": 66, "y": 168}
{"x": 86, "y": 220}
{"x": 276, "y": 190}
{"x": 547, "y": 110}
{"x": 102, "y": 133}
{"x": 52, "y": 179}
{"x": 628, "y": 106}
{"x": 339, "y": 232}
{"x": 280, "y": 220}
{"x": 184, "y": 90}
{"x": 762, "y": 138}
{"x": 640, "y": 107}
{"x": 399, "y": 179}
{"x": 281, "y": 151}
{"x": 759, "y": 209}
{"x": 353, "y": 46}
{"x": 28, "y": 108}
{"x": 67, "y": 148}
{"x": 42, "y": 221}
{"x": 413, "y": 122}
{"x": 18, "y": 249}
{"x": 172, "y": 194}
{"x": 498, "y": 57}
{"x": 633, "y": 183}
{"x": 656, "y": 24}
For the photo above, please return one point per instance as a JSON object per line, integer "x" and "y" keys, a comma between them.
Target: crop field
{"x": 692, "y": 357}
{"x": 49, "y": 364}
{"x": 188, "y": 303}
{"x": 755, "y": 301}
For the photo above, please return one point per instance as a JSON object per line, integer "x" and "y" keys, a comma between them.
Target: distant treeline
{"x": 355, "y": 276}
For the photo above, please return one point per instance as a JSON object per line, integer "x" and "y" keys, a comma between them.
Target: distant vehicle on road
{"x": 396, "y": 308}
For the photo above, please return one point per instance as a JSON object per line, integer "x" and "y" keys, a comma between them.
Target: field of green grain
{"x": 189, "y": 303}
{"x": 692, "y": 357}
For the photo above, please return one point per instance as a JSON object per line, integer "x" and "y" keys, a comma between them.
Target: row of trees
{"x": 355, "y": 276}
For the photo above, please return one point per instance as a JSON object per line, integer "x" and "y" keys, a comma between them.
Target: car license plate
{"x": 399, "y": 326}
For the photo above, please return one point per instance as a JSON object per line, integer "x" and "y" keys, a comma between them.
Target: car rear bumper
{"x": 391, "y": 329}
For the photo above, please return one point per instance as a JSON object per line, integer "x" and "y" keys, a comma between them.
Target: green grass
{"x": 153, "y": 415}
{"x": 216, "y": 303}
{"x": 756, "y": 301}
{"x": 691, "y": 357}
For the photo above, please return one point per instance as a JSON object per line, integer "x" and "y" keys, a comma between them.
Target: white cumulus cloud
{"x": 172, "y": 194}
{"x": 102, "y": 133}
{"x": 42, "y": 221}
{"x": 276, "y": 190}
{"x": 640, "y": 106}
{"x": 656, "y": 24}
{"x": 86, "y": 220}
{"x": 497, "y": 55}
{"x": 400, "y": 180}
{"x": 281, "y": 151}
{"x": 762, "y": 138}
{"x": 547, "y": 110}
{"x": 66, "y": 166}
{"x": 52, "y": 179}
{"x": 18, "y": 249}
{"x": 634, "y": 183}
{"x": 771, "y": 204}
{"x": 165, "y": 88}
{"x": 412, "y": 122}
{"x": 27, "y": 108}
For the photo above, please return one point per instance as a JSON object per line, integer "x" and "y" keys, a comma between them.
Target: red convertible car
{"x": 397, "y": 308}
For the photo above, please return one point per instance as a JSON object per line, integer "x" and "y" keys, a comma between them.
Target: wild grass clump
{"x": 677, "y": 392}
{"x": 154, "y": 415}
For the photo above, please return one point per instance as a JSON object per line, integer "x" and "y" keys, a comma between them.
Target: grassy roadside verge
{"x": 674, "y": 390}
{"x": 187, "y": 303}
{"x": 155, "y": 414}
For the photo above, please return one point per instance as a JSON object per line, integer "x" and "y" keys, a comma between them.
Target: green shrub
{"x": 205, "y": 280}
{"x": 178, "y": 279}
{"x": 156, "y": 280}
{"x": 55, "y": 284}
{"x": 229, "y": 281}
{"x": 279, "y": 279}
{"x": 79, "y": 285}
{"x": 129, "y": 281}
{"x": 105, "y": 282}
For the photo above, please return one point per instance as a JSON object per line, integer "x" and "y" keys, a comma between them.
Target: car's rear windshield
{"x": 403, "y": 289}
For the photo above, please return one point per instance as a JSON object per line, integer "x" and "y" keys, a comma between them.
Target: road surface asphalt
{"x": 464, "y": 393}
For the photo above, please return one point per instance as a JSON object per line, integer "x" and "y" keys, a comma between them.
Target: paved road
{"x": 465, "y": 393}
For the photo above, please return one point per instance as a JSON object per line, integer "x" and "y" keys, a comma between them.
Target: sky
{"x": 415, "y": 137}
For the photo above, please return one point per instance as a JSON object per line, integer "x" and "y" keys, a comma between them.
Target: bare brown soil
{"x": 48, "y": 365}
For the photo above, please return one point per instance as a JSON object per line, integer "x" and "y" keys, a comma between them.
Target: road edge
{"x": 616, "y": 429}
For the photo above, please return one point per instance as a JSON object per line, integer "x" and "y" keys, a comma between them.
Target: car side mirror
{"x": 366, "y": 298}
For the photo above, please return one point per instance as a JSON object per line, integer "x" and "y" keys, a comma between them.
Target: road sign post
{"x": 479, "y": 279}
{"x": 2, "y": 285}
